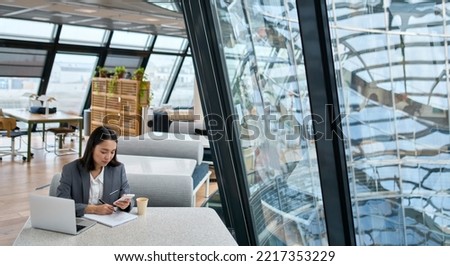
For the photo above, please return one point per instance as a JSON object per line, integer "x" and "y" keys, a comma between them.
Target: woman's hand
{"x": 122, "y": 203}
{"x": 99, "y": 209}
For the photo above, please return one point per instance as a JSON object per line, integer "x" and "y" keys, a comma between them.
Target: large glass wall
{"x": 391, "y": 59}
{"x": 264, "y": 64}
{"x": 21, "y": 68}
{"x": 20, "y": 71}
{"x": 163, "y": 67}
{"x": 60, "y": 60}
{"x": 70, "y": 81}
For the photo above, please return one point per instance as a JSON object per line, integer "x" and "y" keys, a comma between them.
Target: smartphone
{"x": 125, "y": 196}
{"x": 128, "y": 196}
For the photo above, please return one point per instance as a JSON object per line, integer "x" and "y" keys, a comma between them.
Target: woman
{"x": 97, "y": 180}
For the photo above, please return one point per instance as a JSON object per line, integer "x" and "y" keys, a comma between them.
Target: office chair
{"x": 8, "y": 128}
{"x": 60, "y": 134}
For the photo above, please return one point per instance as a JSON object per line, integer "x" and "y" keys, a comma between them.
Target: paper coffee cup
{"x": 141, "y": 205}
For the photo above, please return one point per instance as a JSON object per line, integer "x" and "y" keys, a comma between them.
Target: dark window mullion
{"x": 49, "y": 63}
{"x": 323, "y": 95}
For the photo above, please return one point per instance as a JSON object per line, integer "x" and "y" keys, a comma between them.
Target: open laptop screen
{"x": 56, "y": 214}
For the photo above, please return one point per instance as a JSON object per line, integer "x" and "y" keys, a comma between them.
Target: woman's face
{"x": 104, "y": 152}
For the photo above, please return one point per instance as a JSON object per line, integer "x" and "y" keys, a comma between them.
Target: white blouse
{"x": 96, "y": 190}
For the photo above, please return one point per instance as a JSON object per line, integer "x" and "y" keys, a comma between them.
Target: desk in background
{"x": 159, "y": 227}
{"x": 58, "y": 117}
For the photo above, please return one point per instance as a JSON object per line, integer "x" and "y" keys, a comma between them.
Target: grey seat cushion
{"x": 172, "y": 148}
{"x": 162, "y": 191}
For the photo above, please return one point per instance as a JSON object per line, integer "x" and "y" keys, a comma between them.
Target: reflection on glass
{"x": 70, "y": 81}
{"x": 264, "y": 63}
{"x": 394, "y": 98}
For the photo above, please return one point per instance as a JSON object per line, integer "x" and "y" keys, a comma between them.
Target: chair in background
{"x": 60, "y": 134}
{"x": 54, "y": 185}
{"x": 8, "y": 128}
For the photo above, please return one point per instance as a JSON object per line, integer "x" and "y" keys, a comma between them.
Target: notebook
{"x": 112, "y": 220}
{"x": 56, "y": 214}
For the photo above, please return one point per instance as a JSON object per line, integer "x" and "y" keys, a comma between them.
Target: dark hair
{"x": 97, "y": 136}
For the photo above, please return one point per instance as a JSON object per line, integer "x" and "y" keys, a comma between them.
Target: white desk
{"x": 159, "y": 227}
{"x": 157, "y": 165}
{"x": 58, "y": 117}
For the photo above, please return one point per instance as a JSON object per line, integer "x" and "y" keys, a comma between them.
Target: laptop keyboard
{"x": 79, "y": 227}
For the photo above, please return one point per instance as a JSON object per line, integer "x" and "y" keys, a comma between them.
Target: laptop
{"x": 56, "y": 214}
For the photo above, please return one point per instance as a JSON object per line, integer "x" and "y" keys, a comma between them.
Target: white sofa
{"x": 170, "y": 191}
{"x": 162, "y": 146}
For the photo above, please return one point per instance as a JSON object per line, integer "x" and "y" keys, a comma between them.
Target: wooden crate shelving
{"x": 119, "y": 107}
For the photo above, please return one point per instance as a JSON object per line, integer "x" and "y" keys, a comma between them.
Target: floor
{"x": 18, "y": 179}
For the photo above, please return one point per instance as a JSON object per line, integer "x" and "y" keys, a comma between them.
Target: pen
{"x": 103, "y": 202}
{"x": 113, "y": 192}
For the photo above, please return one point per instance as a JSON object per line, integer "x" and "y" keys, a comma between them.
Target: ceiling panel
{"x": 132, "y": 15}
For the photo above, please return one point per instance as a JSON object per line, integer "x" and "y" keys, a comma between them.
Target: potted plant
{"x": 120, "y": 71}
{"x": 139, "y": 74}
{"x": 145, "y": 96}
{"x": 102, "y": 72}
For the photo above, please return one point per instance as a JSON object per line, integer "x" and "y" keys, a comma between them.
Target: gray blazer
{"x": 75, "y": 184}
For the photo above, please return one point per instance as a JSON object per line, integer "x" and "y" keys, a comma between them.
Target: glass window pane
{"x": 170, "y": 44}
{"x": 131, "y": 63}
{"x": 83, "y": 35}
{"x": 170, "y": 6}
{"x": 183, "y": 91}
{"x": 70, "y": 80}
{"x": 131, "y": 40}
{"x": 12, "y": 90}
{"x": 393, "y": 88}
{"x": 264, "y": 63}
{"x": 159, "y": 71}
{"x": 21, "y": 62}
{"x": 17, "y": 29}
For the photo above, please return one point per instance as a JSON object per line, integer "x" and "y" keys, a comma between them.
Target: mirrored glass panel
{"x": 264, "y": 62}
{"x": 392, "y": 64}
{"x": 70, "y": 81}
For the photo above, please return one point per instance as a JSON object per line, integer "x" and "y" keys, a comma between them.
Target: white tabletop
{"x": 159, "y": 227}
{"x": 135, "y": 164}
{"x": 178, "y": 136}
{"x": 26, "y": 116}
